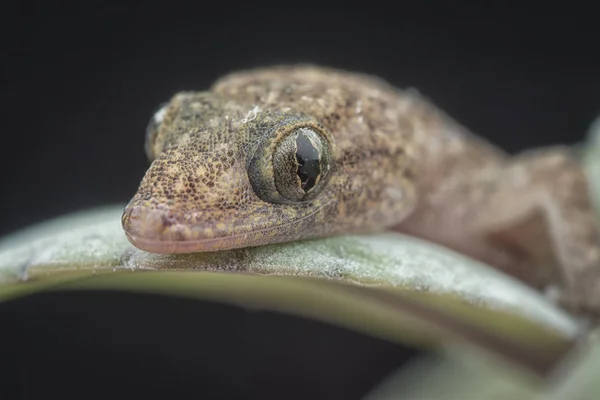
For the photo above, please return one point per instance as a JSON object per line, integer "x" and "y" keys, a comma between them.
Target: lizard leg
{"x": 533, "y": 217}
{"x": 552, "y": 226}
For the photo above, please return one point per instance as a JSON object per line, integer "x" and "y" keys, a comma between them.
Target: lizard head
{"x": 225, "y": 178}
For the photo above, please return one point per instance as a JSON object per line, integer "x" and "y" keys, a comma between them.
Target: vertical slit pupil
{"x": 308, "y": 158}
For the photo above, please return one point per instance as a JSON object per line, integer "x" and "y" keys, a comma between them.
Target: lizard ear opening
{"x": 152, "y": 131}
{"x": 293, "y": 167}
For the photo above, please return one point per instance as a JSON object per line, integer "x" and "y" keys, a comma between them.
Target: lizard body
{"x": 296, "y": 152}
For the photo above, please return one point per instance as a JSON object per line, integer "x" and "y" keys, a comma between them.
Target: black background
{"x": 111, "y": 345}
{"x": 81, "y": 80}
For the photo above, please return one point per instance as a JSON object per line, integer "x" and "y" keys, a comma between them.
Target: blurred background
{"x": 81, "y": 80}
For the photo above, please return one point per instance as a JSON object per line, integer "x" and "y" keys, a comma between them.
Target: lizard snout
{"x": 158, "y": 230}
{"x": 155, "y": 230}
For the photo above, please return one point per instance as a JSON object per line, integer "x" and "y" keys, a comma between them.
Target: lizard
{"x": 291, "y": 152}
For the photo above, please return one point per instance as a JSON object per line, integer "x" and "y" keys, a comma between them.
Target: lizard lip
{"x": 159, "y": 231}
{"x": 184, "y": 246}
{"x": 155, "y": 232}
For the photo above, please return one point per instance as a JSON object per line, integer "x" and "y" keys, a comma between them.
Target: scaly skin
{"x": 386, "y": 159}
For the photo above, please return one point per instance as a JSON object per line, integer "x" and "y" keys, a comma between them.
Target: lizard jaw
{"x": 152, "y": 231}
{"x": 155, "y": 232}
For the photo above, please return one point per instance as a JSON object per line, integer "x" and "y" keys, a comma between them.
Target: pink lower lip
{"x": 180, "y": 247}
{"x": 146, "y": 230}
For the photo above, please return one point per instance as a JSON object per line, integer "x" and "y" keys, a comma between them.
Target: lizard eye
{"x": 152, "y": 130}
{"x": 299, "y": 168}
{"x": 300, "y": 162}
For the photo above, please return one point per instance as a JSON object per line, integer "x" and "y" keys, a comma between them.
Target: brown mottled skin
{"x": 395, "y": 161}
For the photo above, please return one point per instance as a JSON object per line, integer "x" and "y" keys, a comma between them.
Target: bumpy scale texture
{"x": 388, "y": 158}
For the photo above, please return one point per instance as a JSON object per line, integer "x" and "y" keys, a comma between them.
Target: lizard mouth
{"x": 161, "y": 246}
{"x": 153, "y": 231}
